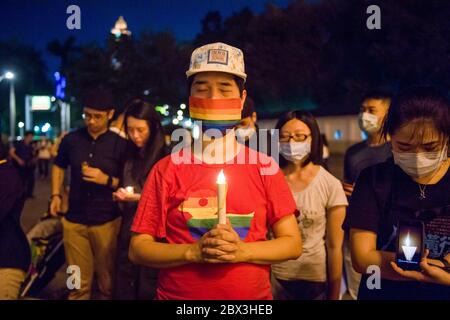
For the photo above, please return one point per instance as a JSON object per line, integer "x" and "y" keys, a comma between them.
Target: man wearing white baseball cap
{"x": 176, "y": 226}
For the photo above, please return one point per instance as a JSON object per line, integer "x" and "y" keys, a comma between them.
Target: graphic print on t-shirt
{"x": 437, "y": 238}
{"x": 201, "y": 205}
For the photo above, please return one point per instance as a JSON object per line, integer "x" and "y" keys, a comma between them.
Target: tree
{"x": 212, "y": 29}
{"x": 30, "y": 78}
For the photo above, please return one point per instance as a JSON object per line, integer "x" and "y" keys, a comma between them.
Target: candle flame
{"x": 221, "y": 178}
{"x": 407, "y": 240}
{"x": 129, "y": 189}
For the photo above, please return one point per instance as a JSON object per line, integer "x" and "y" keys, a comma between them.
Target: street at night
{"x": 237, "y": 158}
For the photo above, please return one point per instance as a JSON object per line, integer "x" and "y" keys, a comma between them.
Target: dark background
{"x": 315, "y": 55}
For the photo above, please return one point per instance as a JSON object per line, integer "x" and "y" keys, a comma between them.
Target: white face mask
{"x": 245, "y": 133}
{"x": 420, "y": 164}
{"x": 368, "y": 122}
{"x": 295, "y": 151}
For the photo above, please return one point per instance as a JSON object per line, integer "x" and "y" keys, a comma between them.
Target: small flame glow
{"x": 407, "y": 240}
{"x": 129, "y": 189}
{"x": 221, "y": 178}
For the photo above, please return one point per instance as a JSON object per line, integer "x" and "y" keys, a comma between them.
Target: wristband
{"x": 109, "y": 182}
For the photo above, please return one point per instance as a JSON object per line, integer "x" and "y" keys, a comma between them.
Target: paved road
{"x": 35, "y": 207}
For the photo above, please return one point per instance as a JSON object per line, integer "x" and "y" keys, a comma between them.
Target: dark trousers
{"x": 43, "y": 167}
{"x": 403, "y": 290}
{"x": 131, "y": 282}
{"x": 28, "y": 180}
{"x": 298, "y": 290}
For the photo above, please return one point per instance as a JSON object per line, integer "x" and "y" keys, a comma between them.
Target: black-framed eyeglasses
{"x": 298, "y": 137}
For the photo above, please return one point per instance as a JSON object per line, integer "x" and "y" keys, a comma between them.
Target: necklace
{"x": 422, "y": 191}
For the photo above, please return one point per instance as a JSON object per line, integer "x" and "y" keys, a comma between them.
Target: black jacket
{"x": 14, "y": 247}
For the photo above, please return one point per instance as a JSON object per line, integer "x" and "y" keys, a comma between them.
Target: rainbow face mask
{"x": 219, "y": 114}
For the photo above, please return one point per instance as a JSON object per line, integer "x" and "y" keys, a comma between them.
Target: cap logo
{"x": 218, "y": 56}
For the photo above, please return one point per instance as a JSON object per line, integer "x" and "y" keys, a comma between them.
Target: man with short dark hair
{"x": 375, "y": 148}
{"x": 176, "y": 225}
{"x": 94, "y": 155}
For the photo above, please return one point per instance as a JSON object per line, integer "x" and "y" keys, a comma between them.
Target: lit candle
{"x": 84, "y": 165}
{"x": 408, "y": 250}
{"x": 129, "y": 190}
{"x": 222, "y": 197}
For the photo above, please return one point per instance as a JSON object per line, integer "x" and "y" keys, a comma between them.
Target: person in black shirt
{"x": 24, "y": 158}
{"x": 90, "y": 227}
{"x": 143, "y": 127}
{"x": 375, "y": 149}
{"x": 414, "y": 185}
{"x": 14, "y": 249}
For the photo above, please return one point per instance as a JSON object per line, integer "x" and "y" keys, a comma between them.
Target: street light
{"x": 9, "y": 75}
{"x": 12, "y": 105}
{"x": 21, "y": 126}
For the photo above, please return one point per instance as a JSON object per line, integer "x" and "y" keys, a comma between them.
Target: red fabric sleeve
{"x": 151, "y": 214}
{"x": 279, "y": 197}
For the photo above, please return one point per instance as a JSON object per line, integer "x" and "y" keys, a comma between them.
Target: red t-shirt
{"x": 179, "y": 203}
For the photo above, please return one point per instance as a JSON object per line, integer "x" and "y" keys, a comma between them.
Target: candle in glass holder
{"x": 408, "y": 249}
{"x": 222, "y": 197}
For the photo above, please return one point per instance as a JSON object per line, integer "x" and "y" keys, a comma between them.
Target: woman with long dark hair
{"x": 320, "y": 198}
{"x": 410, "y": 189}
{"x": 143, "y": 128}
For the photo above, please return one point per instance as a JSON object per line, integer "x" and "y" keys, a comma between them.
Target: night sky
{"x": 37, "y": 22}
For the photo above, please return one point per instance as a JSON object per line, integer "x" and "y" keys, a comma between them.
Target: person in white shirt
{"x": 44, "y": 148}
{"x": 322, "y": 203}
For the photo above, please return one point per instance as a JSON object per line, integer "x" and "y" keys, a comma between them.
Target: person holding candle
{"x": 320, "y": 197}
{"x": 414, "y": 185}
{"x": 94, "y": 155}
{"x": 143, "y": 128}
{"x": 375, "y": 149}
{"x": 176, "y": 225}
{"x": 433, "y": 273}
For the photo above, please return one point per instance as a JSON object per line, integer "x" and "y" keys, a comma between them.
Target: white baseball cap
{"x": 218, "y": 57}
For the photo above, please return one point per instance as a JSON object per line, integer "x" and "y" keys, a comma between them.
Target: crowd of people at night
{"x": 140, "y": 213}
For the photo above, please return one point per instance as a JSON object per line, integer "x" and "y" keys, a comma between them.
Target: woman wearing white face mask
{"x": 321, "y": 201}
{"x": 414, "y": 185}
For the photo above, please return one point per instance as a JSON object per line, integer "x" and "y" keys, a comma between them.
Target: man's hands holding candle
{"x": 97, "y": 176}
{"x": 94, "y": 175}
{"x": 221, "y": 244}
